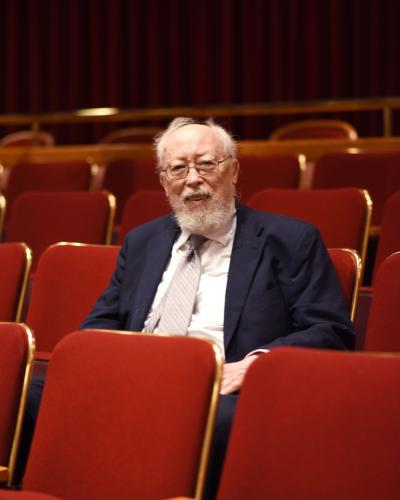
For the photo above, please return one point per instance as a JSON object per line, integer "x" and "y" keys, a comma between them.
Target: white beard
{"x": 201, "y": 219}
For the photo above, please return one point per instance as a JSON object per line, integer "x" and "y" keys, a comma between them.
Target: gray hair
{"x": 161, "y": 138}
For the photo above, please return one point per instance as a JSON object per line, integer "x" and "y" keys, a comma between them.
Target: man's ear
{"x": 161, "y": 177}
{"x": 235, "y": 170}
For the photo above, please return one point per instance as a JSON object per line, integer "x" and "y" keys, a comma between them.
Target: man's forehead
{"x": 191, "y": 136}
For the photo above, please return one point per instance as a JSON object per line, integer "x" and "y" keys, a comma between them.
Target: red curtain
{"x": 66, "y": 54}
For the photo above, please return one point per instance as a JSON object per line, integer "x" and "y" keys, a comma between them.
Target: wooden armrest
{"x": 3, "y": 474}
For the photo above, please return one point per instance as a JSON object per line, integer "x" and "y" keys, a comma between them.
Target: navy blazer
{"x": 282, "y": 288}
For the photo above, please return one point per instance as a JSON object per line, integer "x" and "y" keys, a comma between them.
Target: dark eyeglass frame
{"x": 198, "y": 166}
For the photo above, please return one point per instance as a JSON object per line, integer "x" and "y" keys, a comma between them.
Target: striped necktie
{"x": 174, "y": 313}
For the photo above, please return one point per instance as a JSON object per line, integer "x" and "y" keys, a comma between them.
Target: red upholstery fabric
{"x": 13, "y": 360}
{"x": 122, "y": 416}
{"x": 348, "y": 270}
{"x": 26, "y": 176}
{"x": 383, "y": 328}
{"x": 124, "y": 177}
{"x": 315, "y": 129}
{"x": 25, "y": 495}
{"x": 316, "y": 424}
{"x": 268, "y": 171}
{"x": 142, "y": 207}
{"x": 15, "y": 263}
{"x": 377, "y": 172}
{"x": 364, "y": 301}
{"x": 389, "y": 237}
{"x": 68, "y": 281}
{"x": 339, "y": 214}
{"x": 43, "y": 218}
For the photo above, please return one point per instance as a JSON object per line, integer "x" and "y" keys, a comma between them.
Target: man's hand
{"x": 233, "y": 374}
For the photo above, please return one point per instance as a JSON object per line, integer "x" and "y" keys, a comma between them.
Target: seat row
{"x": 342, "y": 215}
{"x": 71, "y": 276}
{"x": 305, "y": 129}
{"x": 132, "y": 416}
{"x": 378, "y": 172}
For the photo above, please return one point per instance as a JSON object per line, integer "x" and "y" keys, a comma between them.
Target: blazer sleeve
{"x": 319, "y": 316}
{"x": 106, "y": 314}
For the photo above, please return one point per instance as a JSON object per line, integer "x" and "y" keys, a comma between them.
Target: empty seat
{"x": 377, "y": 172}
{"x": 269, "y": 171}
{"x": 42, "y": 218}
{"x": 316, "y": 424}
{"x": 16, "y": 357}
{"x": 125, "y": 416}
{"x": 342, "y": 215}
{"x": 389, "y": 237}
{"x": 315, "y": 129}
{"x": 383, "y": 327}
{"x": 124, "y": 177}
{"x": 142, "y": 207}
{"x": 130, "y": 135}
{"x": 68, "y": 281}
{"x": 27, "y": 138}
{"x": 15, "y": 264}
{"x": 57, "y": 176}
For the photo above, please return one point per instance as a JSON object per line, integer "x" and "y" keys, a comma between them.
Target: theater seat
{"x": 341, "y": 215}
{"x": 315, "y": 129}
{"x": 17, "y": 348}
{"x": 383, "y": 327}
{"x": 313, "y": 424}
{"x": 15, "y": 265}
{"x": 124, "y": 416}
{"x": 68, "y": 281}
{"x": 41, "y": 218}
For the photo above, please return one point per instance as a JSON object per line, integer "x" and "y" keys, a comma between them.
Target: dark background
{"x": 59, "y": 55}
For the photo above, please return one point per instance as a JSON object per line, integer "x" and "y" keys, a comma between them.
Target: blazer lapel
{"x": 246, "y": 252}
{"x": 157, "y": 254}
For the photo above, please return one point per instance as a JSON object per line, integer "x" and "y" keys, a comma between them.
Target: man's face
{"x": 200, "y": 202}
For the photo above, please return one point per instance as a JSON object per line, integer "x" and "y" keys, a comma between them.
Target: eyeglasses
{"x": 203, "y": 167}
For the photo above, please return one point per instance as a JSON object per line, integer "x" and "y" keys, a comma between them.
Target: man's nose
{"x": 193, "y": 175}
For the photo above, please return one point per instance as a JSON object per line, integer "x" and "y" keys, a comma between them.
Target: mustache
{"x": 195, "y": 194}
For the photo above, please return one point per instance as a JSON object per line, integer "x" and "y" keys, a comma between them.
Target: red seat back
{"x": 316, "y": 424}
{"x": 15, "y": 264}
{"x": 377, "y": 172}
{"x": 315, "y": 129}
{"x": 27, "y": 138}
{"x": 389, "y": 237}
{"x": 341, "y": 215}
{"x": 16, "y": 356}
{"x": 269, "y": 171}
{"x": 68, "y": 281}
{"x": 142, "y": 207}
{"x": 125, "y": 416}
{"x": 125, "y": 177}
{"x": 63, "y": 176}
{"x": 41, "y": 219}
{"x": 383, "y": 328}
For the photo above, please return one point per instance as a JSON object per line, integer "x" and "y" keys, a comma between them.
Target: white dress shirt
{"x": 215, "y": 256}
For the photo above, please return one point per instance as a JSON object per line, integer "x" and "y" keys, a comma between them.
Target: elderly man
{"x": 260, "y": 280}
{"x": 248, "y": 280}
